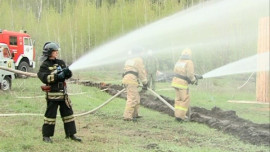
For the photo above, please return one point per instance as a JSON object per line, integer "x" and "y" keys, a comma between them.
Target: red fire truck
{"x": 21, "y": 44}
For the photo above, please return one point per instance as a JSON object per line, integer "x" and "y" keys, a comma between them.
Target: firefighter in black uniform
{"x": 53, "y": 73}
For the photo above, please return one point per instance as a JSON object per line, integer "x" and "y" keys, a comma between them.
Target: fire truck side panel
{"x": 28, "y": 50}
{"x": 5, "y": 61}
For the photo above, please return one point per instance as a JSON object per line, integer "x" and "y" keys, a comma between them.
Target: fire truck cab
{"x": 21, "y": 44}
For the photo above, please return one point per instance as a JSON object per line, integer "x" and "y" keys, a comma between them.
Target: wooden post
{"x": 263, "y": 79}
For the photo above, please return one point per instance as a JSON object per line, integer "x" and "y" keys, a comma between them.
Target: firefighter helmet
{"x": 186, "y": 53}
{"x": 49, "y": 47}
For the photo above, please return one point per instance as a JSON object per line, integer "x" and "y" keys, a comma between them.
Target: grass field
{"x": 105, "y": 131}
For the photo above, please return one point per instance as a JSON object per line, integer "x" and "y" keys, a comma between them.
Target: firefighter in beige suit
{"x": 184, "y": 75}
{"x": 134, "y": 71}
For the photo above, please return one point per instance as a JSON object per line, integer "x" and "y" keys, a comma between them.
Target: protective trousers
{"x": 133, "y": 102}
{"x": 151, "y": 77}
{"x": 50, "y": 118}
{"x": 182, "y": 101}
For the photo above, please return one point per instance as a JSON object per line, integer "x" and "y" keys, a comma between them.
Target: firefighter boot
{"x": 129, "y": 119}
{"x": 181, "y": 120}
{"x": 138, "y": 117}
{"x": 47, "y": 139}
{"x": 73, "y": 137}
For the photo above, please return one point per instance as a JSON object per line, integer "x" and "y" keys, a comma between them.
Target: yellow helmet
{"x": 186, "y": 53}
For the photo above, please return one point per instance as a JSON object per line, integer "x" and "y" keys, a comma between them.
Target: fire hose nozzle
{"x": 197, "y": 76}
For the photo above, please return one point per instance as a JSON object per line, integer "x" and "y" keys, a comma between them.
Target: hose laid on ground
{"x": 246, "y": 81}
{"x": 169, "y": 105}
{"x": 106, "y": 102}
{"x": 34, "y": 114}
{"x": 77, "y": 115}
{"x": 20, "y": 114}
{"x": 163, "y": 100}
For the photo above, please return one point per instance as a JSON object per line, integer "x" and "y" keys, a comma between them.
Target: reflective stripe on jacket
{"x": 176, "y": 85}
{"x": 55, "y": 95}
{"x": 181, "y": 108}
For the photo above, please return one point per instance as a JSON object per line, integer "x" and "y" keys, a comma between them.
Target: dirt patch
{"x": 226, "y": 121}
{"x": 3, "y": 134}
{"x": 152, "y": 146}
{"x": 229, "y": 122}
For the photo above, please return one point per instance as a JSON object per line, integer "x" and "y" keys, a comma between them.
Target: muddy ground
{"x": 226, "y": 121}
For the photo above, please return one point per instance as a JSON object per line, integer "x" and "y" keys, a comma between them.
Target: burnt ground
{"x": 226, "y": 121}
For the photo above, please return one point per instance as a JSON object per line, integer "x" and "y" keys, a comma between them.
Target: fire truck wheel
{"x": 23, "y": 66}
{"x": 6, "y": 84}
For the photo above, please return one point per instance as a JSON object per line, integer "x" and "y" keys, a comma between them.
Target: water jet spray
{"x": 246, "y": 65}
{"x": 199, "y": 27}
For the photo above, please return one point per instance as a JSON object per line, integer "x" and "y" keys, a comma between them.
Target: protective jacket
{"x": 134, "y": 71}
{"x": 48, "y": 75}
{"x": 184, "y": 74}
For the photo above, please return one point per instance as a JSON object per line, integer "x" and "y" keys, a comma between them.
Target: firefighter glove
{"x": 61, "y": 76}
{"x": 195, "y": 82}
{"x": 59, "y": 69}
{"x": 198, "y": 76}
{"x": 67, "y": 73}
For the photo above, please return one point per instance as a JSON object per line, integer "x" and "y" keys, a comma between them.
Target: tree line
{"x": 79, "y": 26}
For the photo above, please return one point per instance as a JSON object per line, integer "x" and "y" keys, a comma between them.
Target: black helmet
{"x": 49, "y": 47}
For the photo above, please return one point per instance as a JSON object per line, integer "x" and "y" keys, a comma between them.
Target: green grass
{"x": 105, "y": 131}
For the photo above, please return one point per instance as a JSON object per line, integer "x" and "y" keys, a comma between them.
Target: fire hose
{"x": 106, "y": 102}
{"x": 89, "y": 112}
{"x": 19, "y": 72}
{"x": 76, "y": 115}
{"x": 163, "y": 100}
{"x": 35, "y": 114}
